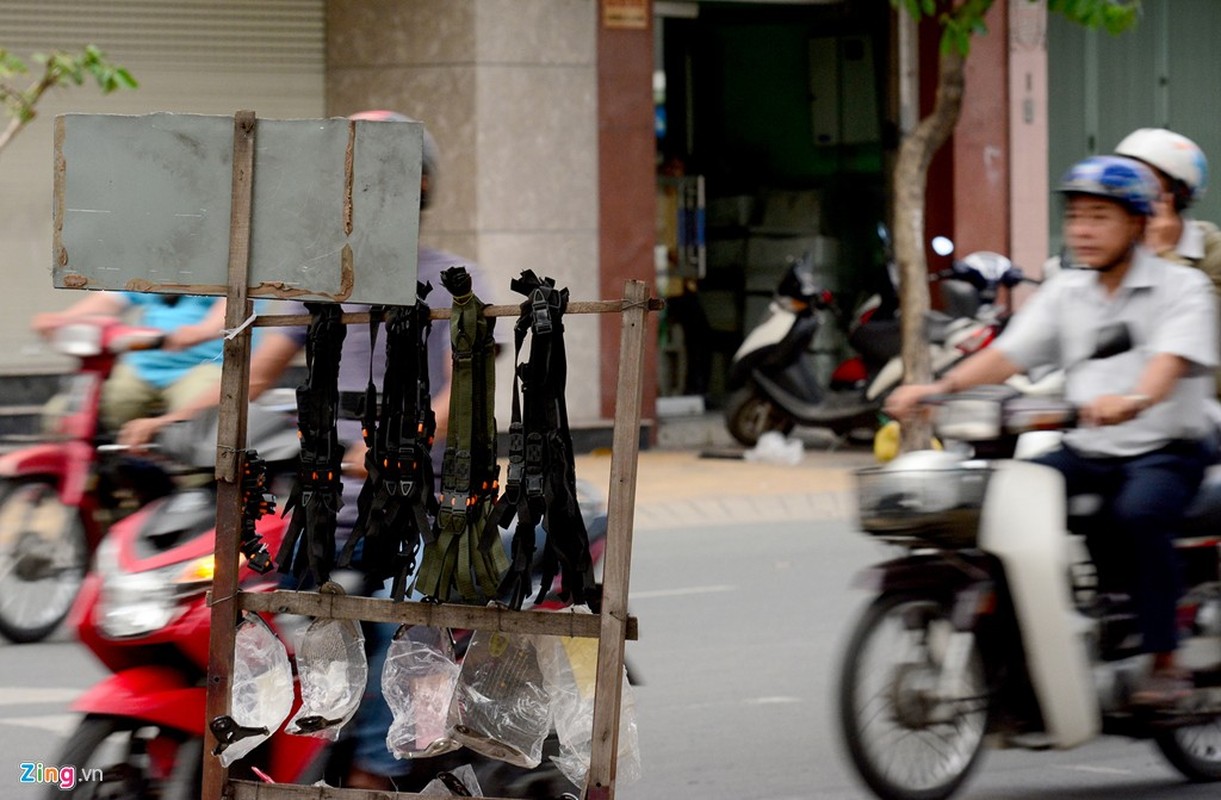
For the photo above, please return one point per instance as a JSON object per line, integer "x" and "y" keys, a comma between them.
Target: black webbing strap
{"x": 398, "y": 497}
{"x": 541, "y": 486}
{"x": 466, "y": 555}
{"x": 317, "y": 494}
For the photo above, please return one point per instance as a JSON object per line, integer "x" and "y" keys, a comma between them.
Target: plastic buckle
{"x": 227, "y": 731}
{"x": 542, "y": 312}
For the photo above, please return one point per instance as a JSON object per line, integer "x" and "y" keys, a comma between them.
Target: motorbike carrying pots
{"x": 990, "y": 626}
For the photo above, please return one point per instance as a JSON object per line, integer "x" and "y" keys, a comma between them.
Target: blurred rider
{"x": 150, "y": 382}
{"x": 1140, "y": 445}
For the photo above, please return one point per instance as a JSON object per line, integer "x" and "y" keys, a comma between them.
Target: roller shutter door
{"x": 200, "y": 56}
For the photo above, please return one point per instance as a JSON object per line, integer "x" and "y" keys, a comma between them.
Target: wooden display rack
{"x": 611, "y": 627}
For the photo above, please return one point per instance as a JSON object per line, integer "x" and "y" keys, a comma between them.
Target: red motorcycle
{"x": 52, "y": 513}
{"x": 143, "y": 613}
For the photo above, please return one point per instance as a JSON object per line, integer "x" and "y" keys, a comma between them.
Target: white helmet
{"x": 1172, "y": 153}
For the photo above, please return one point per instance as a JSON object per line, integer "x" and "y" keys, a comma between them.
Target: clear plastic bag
{"x": 463, "y": 775}
{"x": 418, "y": 683}
{"x": 333, "y": 669}
{"x": 570, "y": 671}
{"x": 500, "y": 707}
{"x": 261, "y": 695}
{"x": 774, "y": 447}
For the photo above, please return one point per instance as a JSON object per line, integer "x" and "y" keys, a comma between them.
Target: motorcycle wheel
{"x": 906, "y": 741}
{"x": 749, "y": 415}
{"x": 43, "y": 557}
{"x": 118, "y": 758}
{"x": 1194, "y": 751}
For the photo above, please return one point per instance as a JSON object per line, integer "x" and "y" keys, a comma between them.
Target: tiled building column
{"x": 509, "y": 88}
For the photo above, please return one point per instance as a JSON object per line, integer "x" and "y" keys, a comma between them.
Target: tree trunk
{"x": 910, "y": 180}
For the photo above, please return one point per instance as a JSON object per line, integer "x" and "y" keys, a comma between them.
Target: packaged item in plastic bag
{"x": 500, "y": 707}
{"x": 418, "y": 682}
{"x": 261, "y": 695}
{"x": 774, "y": 448}
{"x": 460, "y": 782}
{"x": 332, "y": 668}
{"x": 570, "y": 670}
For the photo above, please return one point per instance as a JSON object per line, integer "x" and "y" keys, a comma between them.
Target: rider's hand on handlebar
{"x": 1112, "y": 409}
{"x": 46, "y": 323}
{"x": 139, "y": 432}
{"x": 904, "y": 401}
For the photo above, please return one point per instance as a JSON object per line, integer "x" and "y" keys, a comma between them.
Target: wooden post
{"x": 621, "y": 508}
{"x": 230, "y": 442}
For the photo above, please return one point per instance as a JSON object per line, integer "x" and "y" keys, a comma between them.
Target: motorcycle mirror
{"x": 942, "y": 245}
{"x": 1113, "y": 339}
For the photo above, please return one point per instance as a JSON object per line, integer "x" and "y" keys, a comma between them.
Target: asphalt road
{"x": 741, "y": 631}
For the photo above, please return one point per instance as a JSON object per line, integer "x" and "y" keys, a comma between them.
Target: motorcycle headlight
{"x": 138, "y": 603}
{"x": 78, "y": 340}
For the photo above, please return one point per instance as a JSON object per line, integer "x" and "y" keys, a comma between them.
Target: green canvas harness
{"x": 467, "y": 555}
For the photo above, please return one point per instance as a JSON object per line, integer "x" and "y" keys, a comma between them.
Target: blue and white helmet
{"x": 1172, "y": 153}
{"x": 1124, "y": 180}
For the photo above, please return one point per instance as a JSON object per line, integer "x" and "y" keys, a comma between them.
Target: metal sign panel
{"x": 142, "y": 203}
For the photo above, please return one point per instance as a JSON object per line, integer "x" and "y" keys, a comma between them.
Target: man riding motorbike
{"x": 153, "y": 381}
{"x": 1142, "y": 447}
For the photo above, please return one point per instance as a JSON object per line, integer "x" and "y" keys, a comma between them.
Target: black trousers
{"x": 1132, "y": 540}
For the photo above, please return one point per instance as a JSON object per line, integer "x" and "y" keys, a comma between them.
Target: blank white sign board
{"x": 142, "y": 203}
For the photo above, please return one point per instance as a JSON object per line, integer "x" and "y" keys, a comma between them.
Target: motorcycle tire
{"x": 905, "y": 742}
{"x": 100, "y": 739}
{"x": 749, "y": 414}
{"x": 1195, "y": 751}
{"x": 44, "y": 553}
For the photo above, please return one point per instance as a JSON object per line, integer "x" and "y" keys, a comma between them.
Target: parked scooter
{"x": 772, "y": 381}
{"x": 991, "y": 628}
{"x": 52, "y": 510}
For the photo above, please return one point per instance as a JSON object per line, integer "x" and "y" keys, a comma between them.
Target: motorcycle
{"x": 992, "y": 627}
{"x": 143, "y": 613}
{"x": 54, "y": 506}
{"x": 774, "y": 386}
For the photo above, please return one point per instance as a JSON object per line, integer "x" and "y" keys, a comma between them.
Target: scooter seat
{"x": 1203, "y": 517}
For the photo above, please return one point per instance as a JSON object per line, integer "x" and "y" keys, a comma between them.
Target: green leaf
{"x": 124, "y": 78}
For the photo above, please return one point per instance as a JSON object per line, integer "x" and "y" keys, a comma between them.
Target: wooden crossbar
{"x": 436, "y": 615}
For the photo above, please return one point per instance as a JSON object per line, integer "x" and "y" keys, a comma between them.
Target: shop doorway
{"x": 771, "y": 141}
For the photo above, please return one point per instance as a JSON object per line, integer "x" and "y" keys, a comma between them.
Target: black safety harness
{"x": 541, "y": 485}
{"x": 257, "y": 502}
{"x": 397, "y": 499}
{"x": 467, "y": 554}
{"x": 317, "y": 494}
